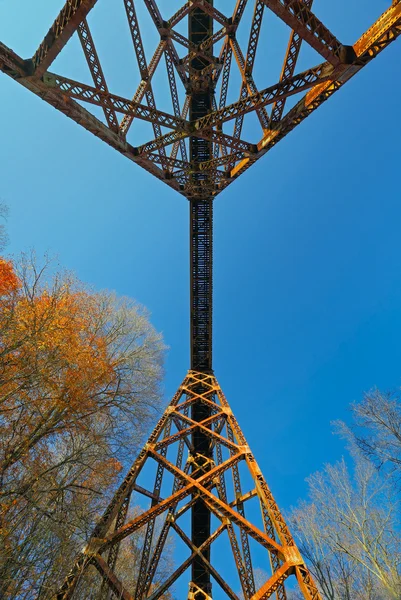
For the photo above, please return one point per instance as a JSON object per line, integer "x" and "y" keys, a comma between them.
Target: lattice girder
{"x": 223, "y": 124}
{"x": 217, "y": 480}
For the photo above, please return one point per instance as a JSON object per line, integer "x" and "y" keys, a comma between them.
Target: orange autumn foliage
{"x": 72, "y": 357}
{"x": 56, "y": 361}
{"x": 79, "y": 375}
{"x": 9, "y": 282}
{"x": 55, "y": 335}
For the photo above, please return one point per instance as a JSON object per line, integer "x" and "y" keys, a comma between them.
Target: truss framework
{"x": 199, "y": 69}
{"x": 215, "y": 477}
{"x": 198, "y": 149}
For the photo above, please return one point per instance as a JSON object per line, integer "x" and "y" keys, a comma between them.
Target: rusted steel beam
{"x": 166, "y": 139}
{"x": 228, "y": 512}
{"x": 136, "y": 523}
{"x": 203, "y": 477}
{"x": 87, "y": 93}
{"x": 127, "y": 485}
{"x": 200, "y": 424}
{"x": 200, "y": 398}
{"x": 222, "y": 161}
{"x": 96, "y": 70}
{"x": 290, "y": 61}
{"x": 213, "y": 435}
{"x": 181, "y": 143}
{"x": 182, "y": 568}
{"x": 297, "y": 15}
{"x": 239, "y": 11}
{"x": 145, "y": 87}
{"x": 154, "y": 560}
{"x": 67, "y": 22}
{"x": 154, "y": 12}
{"x": 77, "y": 113}
{"x": 180, "y": 14}
{"x": 226, "y": 56}
{"x": 13, "y": 65}
{"x": 212, "y": 11}
{"x": 239, "y": 563}
{"x": 306, "y": 583}
{"x": 183, "y": 433}
{"x": 110, "y": 578}
{"x": 216, "y": 37}
{"x": 248, "y": 85}
{"x": 70, "y": 583}
{"x": 248, "y": 88}
{"x": 223, "y": 584}
{"x": 276, "y": 580}
{"x": 215, "y": 136}
{"x": 206, "y": 129}
{"x": 147, "y": 544}
{"x": 275, "y": 562}
{"x": 168, "y": 162}
{"x": 195, "y": 482}
{"x": 378, "y": 37}
{"x": 266, "y": 497}
{"x": 239, "y": 436}
{"x": 144, "y": 492}
{"x": 114, "y": 550}
{"x": 179, "y": 67}
{"x": 176, "y": 104}
{"x": 187, "y": 440}
{"x": 244, "y": 497}
{"x": 385, "y": 30}
{"x": 246, "y": 553}
{"x": 296, "y": 84}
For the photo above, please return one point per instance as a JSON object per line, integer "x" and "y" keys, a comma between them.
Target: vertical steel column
{"x": 201, "y": 247}
{"x": 201, "y": 260}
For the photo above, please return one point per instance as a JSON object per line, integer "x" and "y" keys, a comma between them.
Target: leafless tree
{"x": 349, "y": 532}
{"x": 3, "y": 232}
{"x": 376, "y": 430}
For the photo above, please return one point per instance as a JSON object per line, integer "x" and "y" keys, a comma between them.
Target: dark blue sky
{"x": 307, "y": 243}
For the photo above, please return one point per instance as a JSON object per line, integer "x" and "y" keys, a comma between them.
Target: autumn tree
{"x": 79, "y": 379}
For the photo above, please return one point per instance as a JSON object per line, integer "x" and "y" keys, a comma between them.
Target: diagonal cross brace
{"x": 67, "y": 22}
{"x": 298, "y": 16}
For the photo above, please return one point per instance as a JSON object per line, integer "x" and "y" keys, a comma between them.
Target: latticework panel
{"x": 198, "y": 86}
{"x": 226, "y": 479}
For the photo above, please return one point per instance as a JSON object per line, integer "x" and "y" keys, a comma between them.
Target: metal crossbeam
{"x": 67, "y": 22}
{"x": 290, "y": 61}
{"x": 297, "y": 15}
{"x": 246, "y": 67}
{"x": 96, "y": 70}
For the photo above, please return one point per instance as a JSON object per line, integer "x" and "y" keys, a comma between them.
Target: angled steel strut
{"x": 200, "y": 146}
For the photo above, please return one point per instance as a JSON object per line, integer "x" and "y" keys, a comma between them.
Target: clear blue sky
{"x": 307, "y": 304}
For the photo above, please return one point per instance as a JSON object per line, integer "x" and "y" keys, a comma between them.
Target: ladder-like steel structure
{"x": 194, "y": 151}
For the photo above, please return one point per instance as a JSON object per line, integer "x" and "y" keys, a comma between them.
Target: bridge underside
{"x": 198, "y": 147}
{"x": 222, "y": 120}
